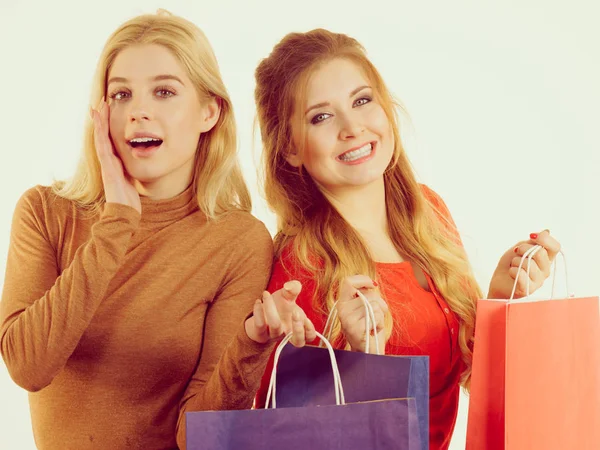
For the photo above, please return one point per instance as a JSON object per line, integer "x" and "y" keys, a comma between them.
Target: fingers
{"x": 380, "y": 308}
{"x": 298, "y": 331}
{"x": 521, "y": 288}
{"x": 259, "y": 318}
{"x": 534, "y": 271}
{"x": 350, "y": 285}
{"x": 272, "y": 316}
{"x": 541, "y": 264}
{"x": 287, "y": 295}
{"x": 101, "y": 138}
{"x": 544, "y": 239}
{"x": 309, "y": 329}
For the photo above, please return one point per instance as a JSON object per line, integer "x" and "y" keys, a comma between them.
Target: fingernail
{"x": 264, "y": 295}
{"x": 288, "y": 286}
{"x": 516, "y": 249}
{"x": 258, "y": 301}
{"x": 533, "y": 236}
{"x": 296, "y": 315}
{"x": 91, "y": 113}
{"x": 375, "y": 283}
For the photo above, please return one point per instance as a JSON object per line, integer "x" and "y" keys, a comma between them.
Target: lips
{"x": 144, "y": 143}
{"x": 357, "y": 154}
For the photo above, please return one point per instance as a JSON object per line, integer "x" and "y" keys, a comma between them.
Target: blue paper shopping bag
{"x": 304, "y": 375}
{"x": 304, "y": 379}
{"x": 382, "y": 424}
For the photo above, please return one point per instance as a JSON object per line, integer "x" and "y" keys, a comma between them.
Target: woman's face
{"x": 348, "y": 139}
{"x": 156, "y": 116}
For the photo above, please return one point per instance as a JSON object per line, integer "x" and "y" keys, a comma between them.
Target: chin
{"x": 145, "y": 174}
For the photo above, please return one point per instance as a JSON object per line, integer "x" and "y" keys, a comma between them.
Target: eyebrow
{"x": 156, "y": 78}
{"x": 353, "y": 93}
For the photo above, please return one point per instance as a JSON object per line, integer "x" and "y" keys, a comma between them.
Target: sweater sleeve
{"x": 44, "y": 313}
{"x": 229, "y": 370}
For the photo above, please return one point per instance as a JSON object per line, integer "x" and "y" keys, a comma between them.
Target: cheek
{"x": 181, "y": 130}
{"x": 320, "y": 145}
{"x": 380, "y": 121}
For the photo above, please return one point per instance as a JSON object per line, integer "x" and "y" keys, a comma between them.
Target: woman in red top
{"x": 351, "y": 216}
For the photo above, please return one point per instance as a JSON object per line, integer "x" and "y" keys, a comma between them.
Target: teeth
{"x": 358, "y": 153}
{"x": 144, "y": 139}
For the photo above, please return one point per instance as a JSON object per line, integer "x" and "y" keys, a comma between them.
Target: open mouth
{"x": 145, "y": 143}
{"x": 358, "y": 154}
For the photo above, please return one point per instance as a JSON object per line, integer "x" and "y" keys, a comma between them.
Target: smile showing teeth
{"x": 144, "y": 142}
{"x": 358, "y": 153}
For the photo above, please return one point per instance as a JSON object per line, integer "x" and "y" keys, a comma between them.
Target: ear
{"x": 211, "y": 111}
{"x": 293, "y": 158}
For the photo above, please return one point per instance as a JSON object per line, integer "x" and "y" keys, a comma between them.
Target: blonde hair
{"x": 218, "y": 181}
{"x": 313, "y": 231}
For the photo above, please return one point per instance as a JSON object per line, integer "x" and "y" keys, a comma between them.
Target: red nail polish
{"x": 516, "y": 249}
{"x": 375, "y": 283}
{"x": 533, "y": 236}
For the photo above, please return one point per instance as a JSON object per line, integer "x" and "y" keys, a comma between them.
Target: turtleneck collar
{"x": 169, "y": 209}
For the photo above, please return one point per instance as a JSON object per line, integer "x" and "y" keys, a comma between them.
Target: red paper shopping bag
{"x": 536, "y": 375}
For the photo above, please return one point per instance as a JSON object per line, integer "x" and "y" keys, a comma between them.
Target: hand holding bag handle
{"x": 369, "y": 322}
{"x": 528, "y": 255}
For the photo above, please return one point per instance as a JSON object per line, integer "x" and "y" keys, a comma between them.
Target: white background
{"x": 503, "y": 99}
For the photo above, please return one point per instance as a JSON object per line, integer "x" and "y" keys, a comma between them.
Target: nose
{"x": 139, "y": 110}
{"x": 350, "y": 128}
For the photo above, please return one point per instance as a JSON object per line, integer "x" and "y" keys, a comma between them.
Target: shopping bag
{"x": 304, "y": 377}
{"x": 383, "y": 424}
{"x": 536, "y": 373}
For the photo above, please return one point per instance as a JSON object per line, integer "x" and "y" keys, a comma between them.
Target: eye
{"x": 362, "y": 101}
{"x": 165, "y": 93}
{"x": 319, "y": 118}
{"x": 119, "y": 95}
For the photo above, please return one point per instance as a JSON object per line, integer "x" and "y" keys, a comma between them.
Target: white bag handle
{"x": 529, "y": 254}
{"x": 369, "y": 322}
{"x": 337, "y": 381}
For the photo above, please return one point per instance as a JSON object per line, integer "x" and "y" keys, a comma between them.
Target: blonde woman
{"x": 130, "y": 289}
{"x": 351, "y": 216}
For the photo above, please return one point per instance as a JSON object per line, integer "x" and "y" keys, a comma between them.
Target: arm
{"x": 229, "y": 371}
{"x": 43, "y": 314}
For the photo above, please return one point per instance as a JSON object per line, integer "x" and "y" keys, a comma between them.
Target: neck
{"x": 168, "y": 186}
{"x": 363, "y": 207}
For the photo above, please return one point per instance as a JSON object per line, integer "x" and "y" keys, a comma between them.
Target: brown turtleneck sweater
{"x": 118, "y": 324}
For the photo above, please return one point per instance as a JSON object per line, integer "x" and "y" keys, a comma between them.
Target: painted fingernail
{"x": 533, "y": 236}
{"x": 516, "y": 249}
{"x": 375, "y": 283}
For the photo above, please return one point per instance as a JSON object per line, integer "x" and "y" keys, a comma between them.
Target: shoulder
{"x": 243, "y": 232}
{"x": 41, "y": 203}
{"x": 437, "y": 203}
{"x": 432, "y": 196}
{"x": 242, "y": 224}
